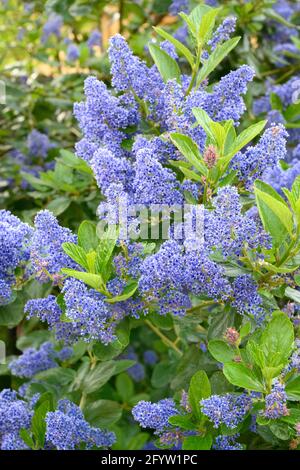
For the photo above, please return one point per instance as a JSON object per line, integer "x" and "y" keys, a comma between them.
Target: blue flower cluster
{"x": 46, "y": 254}
{"x": 230, "y": 409}
{"x": 155, "y": 415}
{"x": 73, "y": 52}
{"x": 34, "y": 360}
{"x": 89, "y": 313}
{"x": 247, "y": 300}
{"x": 52, "y": 27}
{"x": 271, "y": 148}
{"x": 14, "y": 242}
{"x": 38, "y": 144}
{"x": 276, "y": 402}
{"x": 223, "y": 32}
{"x": 227, "y": 443}
{"x": 67, "y": 429}
{"x": 15, "y": 414}
{"x": 95, "y": 39}
{"x": 228, "y": 230}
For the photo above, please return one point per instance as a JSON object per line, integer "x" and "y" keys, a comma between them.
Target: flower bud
{"x": 210, "y": 156}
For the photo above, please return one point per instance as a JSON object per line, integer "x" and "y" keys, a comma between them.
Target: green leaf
{"x": 38, "y": 423}
{"x": 87, "y": 237}
{"x": 219, "y": 324}
{"x": 125, "y": 387}
{"x": 277, "y": 340}
{"x": 246, "y": 136}
{"x": 59, "y": 205}
{"x": 128, "y": 292}
{"x": 56, "y": 376}
{"x": 255, "y": 353}
{"x": 198, "y": 390}
{"x": 266, "y": 188}
{"x": 220, "y": 350}
{"x": 197, "y": 442}
{"x": 122, "y": 365}
{"x": 207, "y": 25}
{"x": 13, "y": 313}
{"x": 215, "y": 58}
{"x": 292, "y": 389}
{"x": 179, "y": 46}
{"x": 102, "y": 413}
{"x": 280, "y": 430}
{"x": 105, "y": 250}
{"x": 195, "y": 19}
{"x": 277, "y": 17}
{"x": 245, "y": 330}
{"x": 92, "y": 280}
{"x": 168, "y": 67}
{"x": 24, "y": 434}
{"x": 75, "y": 252}
{"x": 292, "y": 111}
{"x": 292, "y": 294}
{"x": 205, "y": 122}
{"x": 238, "y": 374}
{"x": 162, "y": 374}
{"x": 190, "y": 150}
{"x": 98, "y": 376}
{"x": 183, "y": 422}
{"x": 275, "y": 101}
{"x": 276, "y": 217}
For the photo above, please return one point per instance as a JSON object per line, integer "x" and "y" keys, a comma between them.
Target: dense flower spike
{"x": 67, "y": 429}
{"x": 223, "y": 32}
{"x": 276, "y": 402}
{"x": 154, "y": 415}
{"x": 225, "y": 102}
{"x": 15, "y": 414}
{"x": 246, "y": 298}
{"x": 34, "y": 360}
{"x": 46, "y": 253}
{"x": 14, "y": 241}
{"x": 266, "y": 154}
{"x": 228, "y": 230}
{"x": 154, "y": 184}
{"x": 227, "y": 409}
{"x": 86, "y": 308}
{"x": 103, "y": 119}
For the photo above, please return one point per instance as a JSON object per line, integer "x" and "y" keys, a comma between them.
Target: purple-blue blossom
{"x": 154, "y": 415}
{"x": 247, "y": 300}
{"x": 52, "y": 27}
{"x": 223, "y": 32}
{"x": 66, "y": 429}
{"x": 271, "y": 148}
{"x": 38, "y": 144}
{"x": 92, "y": 316}
{"x": 33, "y": 361}
{"x": 150, "y": 357}
{"x": 178, "y": 6}
{"x": 94, "y": 39}
{"x": 230, "y": 409}
{"x": 227, "y": 443}
{"x": 73, "y": 52}
{"x": 46, "y": 253}
{"x": 276, "y": 402}
{"x": 15, "y": 414}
